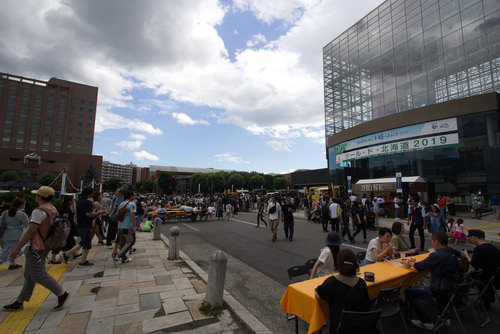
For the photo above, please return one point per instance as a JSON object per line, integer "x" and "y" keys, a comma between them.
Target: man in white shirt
{"x": 274, "y": 214}
{"x": 334, "y": 215}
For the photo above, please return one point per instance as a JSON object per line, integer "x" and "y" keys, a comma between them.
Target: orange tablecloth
{"x": 299, "y": 297}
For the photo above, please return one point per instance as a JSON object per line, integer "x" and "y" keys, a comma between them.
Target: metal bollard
{"x": 173, "y": 247}
{"x": 156, "y": 228}
{"x": 216, "y": 278}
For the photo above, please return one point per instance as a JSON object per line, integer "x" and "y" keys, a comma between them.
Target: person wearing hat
{"x": 327, "y": 260}
{"x": 35, "y": 254}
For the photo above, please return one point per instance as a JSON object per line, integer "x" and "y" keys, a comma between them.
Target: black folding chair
{"x": 388, "y": 300}
{"x": 359, "y": 322}
{"x": 479, "y": 293}
{"x": 361, "y": 257}
{"x": 293, "y": 272}
{"x": 310, "y": 264}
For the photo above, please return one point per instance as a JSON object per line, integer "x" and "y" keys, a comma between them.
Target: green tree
{"x": 147, "y": 186}
{"x": 236, "y": 181}
{"x": 47, "y": 178}
{"x": 269, "y": 181}
{"x": 112, "y": 184}
{"x": 167, "y": 182}
{"x": 200, "y": 179}
{"x": 280, "y": 183}
{"x": 256, "y": 181}
{"x": 9, "y": 176}
{"x": 90, "y": 174}
{"x": 216, "y": 181}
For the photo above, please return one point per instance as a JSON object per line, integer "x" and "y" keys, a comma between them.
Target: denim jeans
{"x": 413, "y": 295}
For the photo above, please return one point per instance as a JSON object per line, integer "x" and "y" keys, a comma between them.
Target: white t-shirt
{"x": 375, "y": 244}
{"x": 274, "y": 215}
{"x": 333, "y": 210}
{"x": 326, "y": 257}
{"x": 353, "y": 198}
{"x": 38, "y": 216}
{"x": 397, "y": 202}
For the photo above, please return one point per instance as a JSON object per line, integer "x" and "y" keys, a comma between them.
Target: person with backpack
{"x": 126, "y": 227}
{"x": 274, "y": 215}
{"x": 12, "y": 223}
{"x": 41, "y": 221}
{"x": 84, "y": 219}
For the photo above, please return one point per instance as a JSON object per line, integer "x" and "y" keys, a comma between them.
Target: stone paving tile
{"x": 137, "y": 316}
{"x": 174, "y": 305}
{"x": 199, "y": 285}
{"x": 48, "y": 330}
{"x": 150, "y": 301}
{"x": 158, "y": 288}
{"x": 84, "y": 289}
{"x": 111, "y": 271}
{"x": 182, "y": 283}
{"x": 177, "y": 293}
{"x": 55, "y": 318}
{"x": 166, "y": 322}
{"x": 39, "y": 318}
{"x": 117, "y": 310}
{"x": 103, "y": 305}
{"x": 100, "y": 326}
{"x": 194, "y": 309}
{"x": 163, "y": 279}
{"x": 125, "y": 286}
{"x": 129, "y": 296}
{"x": 74, "y": 323}
{"x": 133, "y": 328}
{"x": 124, "y": 273}
{"x": 79, "y": 304}
{"x": 107, "y": 292}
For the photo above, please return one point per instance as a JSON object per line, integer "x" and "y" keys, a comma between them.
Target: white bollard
{"x": 216, "y": 278}
{"x": 173, "y": 247}
{"x": 156, "y": 229}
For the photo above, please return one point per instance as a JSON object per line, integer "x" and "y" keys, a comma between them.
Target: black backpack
{"x": 325, "y": 210}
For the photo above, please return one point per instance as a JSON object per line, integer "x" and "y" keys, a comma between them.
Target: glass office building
{"x": 413, "y": 88}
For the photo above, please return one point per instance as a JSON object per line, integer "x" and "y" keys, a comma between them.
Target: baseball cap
{"x": 44, "y": 191}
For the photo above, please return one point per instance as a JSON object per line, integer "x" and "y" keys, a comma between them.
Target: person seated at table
{"x": 379, "y": 247}
{"x": 442, "y": 263}
{"x": 400, "y": 245}
{"x": 485, "y": 259}
{"x": 344, "y": 291}
{"x": 327, "y": 260}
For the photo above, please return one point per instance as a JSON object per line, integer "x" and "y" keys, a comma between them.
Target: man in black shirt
{"x": 485, "y": 259}
{"x": 345, "y": 214}
{"x": 288, "y": 209}
{"x": 441, "y": 263}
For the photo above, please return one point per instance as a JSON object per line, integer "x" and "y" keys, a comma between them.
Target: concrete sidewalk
{"x": 150, "y": 294}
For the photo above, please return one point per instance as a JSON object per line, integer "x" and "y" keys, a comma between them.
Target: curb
{"x": 253, "y": 324}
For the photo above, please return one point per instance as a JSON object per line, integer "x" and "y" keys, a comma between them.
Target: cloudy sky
{"x": 232, "y": 84}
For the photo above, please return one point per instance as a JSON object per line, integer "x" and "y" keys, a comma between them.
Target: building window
{"x": 36, "y": 116}
{"x": 27, "y": 90}
{"x": 87, "y": 140}
{"x": 80, "y": 124}
{"x": 70, "y": 130}
{"x": 39, "y": 92}
{"x": 10, "y": 104}
{"x": 51, "y": 94}
{"x": 35, "y": 125}
{"x": 12, "y": 96}
{"x": 23, "y": 115}
{"x": 82, "y": 101}
{"x": 59, "y": 128}
{"x": 13, "y": 87}
{"x": 8, "y": 121}
{"x": 10, "y": 113}
{"x": 61, "y": 112}
{"x": 89, "y": 118}
{"x": 91, "y": 110}
{"x": 38, "y": 101}
{"x": 77, "y": 147}
{"x": 26, "y": 98}
{"x": 58, "y": 144}
{"x": 59, "y": 136}
{"x": 60, "y": 120}
{"x": 63, "y": 97}
{"x": 70, "y": 122}
{"x": 50, "y": 110}
{"x": 72, "y": 107}
{"x": 36, "y": 108}
{"x": 50, "y": 102}
{"x": 33, "y": 141}
{"x": 47, "y": 126}
{"x": 89, "y": 125}
{"x": 34, "y": 133}
{"x": 73, "y": 100}
{"x": 48, "y": 118}
{"x": 7, "y": 130}
{"x": 20, "y": 132}
{"x": 80, "y": 116}
{"x": 81, "y": 108}
{"x": 23, "y": 106}
{"x": 46, "y": 143}
{"x": 46, "y": 134}
{"x": 22, "y": 123}
{"x": 78, "y": 138}
{"x": 68, "y": 146}
{"x": 6, "y": 139}
{"x": 70, "y": 138}
{"x": 19, "y": 140}
{"x": 62, "y": 105}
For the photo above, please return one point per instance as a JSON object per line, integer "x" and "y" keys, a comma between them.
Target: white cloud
{"x": 230, "y": 157}
{"x": 269, "y": 11}
{"x": 316, "y": 135}
{"x": 143, "y": 155}
{"x": 106, "y": 120}
{"x": 129, "y": 145}
{"x": 185, "y": 119}
{"x": 284, "y": 145}
{"x": 137, "y": 136}
{"x": 256, "y": 40}
{"x": 114, "y": 152}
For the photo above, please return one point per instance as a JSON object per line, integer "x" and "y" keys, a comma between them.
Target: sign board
{"x": 349, "y": 185}
{"x": 399, "y": 182}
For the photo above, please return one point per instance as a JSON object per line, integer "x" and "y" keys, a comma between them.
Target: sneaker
{"x": 85, "y": 264}
{"x": 126, "y": 260}
{"x": 77, "y": 256}
{"x": 109, "y": 246}
{"x": 61, "y": 301}
{"x": 54, "y": 262}
{"x": 425, "y": 325}
{"x": 14, "y": 266}
{"x": 65, "y": 258}
{"x": 15, "y": 306}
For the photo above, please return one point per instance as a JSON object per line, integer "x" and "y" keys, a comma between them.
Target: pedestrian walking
{"x": 35, "y": 253}
{"x": 260, "y": 213}
{"x": 288, "y": 209}
{"x": 13, "y": 221}
{"x": 274, "y": 214}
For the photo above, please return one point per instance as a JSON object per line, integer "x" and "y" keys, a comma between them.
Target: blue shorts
{"x": 85, "y": 237}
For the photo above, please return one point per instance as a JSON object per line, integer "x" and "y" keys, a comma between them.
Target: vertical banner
{"x": 349, "y": 185}
{"x": 399, "y": 182}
